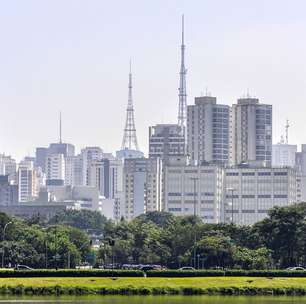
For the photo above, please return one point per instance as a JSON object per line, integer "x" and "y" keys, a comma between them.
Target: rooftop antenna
{"x": 287, "y": 131}
{"x": 60, "y": 127}
{"x": 248, "y": 93}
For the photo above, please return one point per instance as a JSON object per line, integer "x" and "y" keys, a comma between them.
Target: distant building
{"x": 74, "y": 170}
{"x": 251, "y": 131}
{"x": 283, "y": 155}
{"x": 89, "y": 155}
{"x": 128, "y": 153}
{"x": 62, "y": 148}
{"x": 254, "y": 191}
{"x": 142, "y": 186}
{"x": 55, "y": 169}
{"x": 8, "y": 192}
{"x": 191, "y": 189}
{"x": 27, "y": 183}
{"x": 208, "y": 131}
{"x": 300, "y": 160}
{"x": 166, "y": 140}
{"x": 8, "y": 167}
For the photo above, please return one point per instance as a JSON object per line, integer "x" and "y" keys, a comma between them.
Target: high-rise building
{"x": 27, "y": 183}
{"x": 55, "y": 169}
{"x": 251, "y": 132}
{"x": 40, "y": 158}
{"x": 74, "y": 170}
{"x": 166, "y": 140}
{"x": 251, "y": 192}
{"x": 89, "y": 155}
{"x": 142, "y": 186}
{"x": 8, "y": 167}
{"x": 208, "y": 131}
{"x": 194, "y": 190}
{"x": 8, "y": 192}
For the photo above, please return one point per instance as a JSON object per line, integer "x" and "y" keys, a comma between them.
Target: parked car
{"x": 298, "y": 268}
{"x": 187, "y": 268}
{"x": 23, "y": 267}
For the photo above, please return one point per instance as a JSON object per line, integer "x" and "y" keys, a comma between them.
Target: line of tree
{"x": 38, "y": 245}
{"x": 279, "y": 241}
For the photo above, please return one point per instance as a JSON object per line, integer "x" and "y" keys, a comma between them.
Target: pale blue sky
{"x": 74, "y": 55}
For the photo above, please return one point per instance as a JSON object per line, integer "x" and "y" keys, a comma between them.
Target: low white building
{"x": 193, "y": 190}
{"x": 251, "y": 192}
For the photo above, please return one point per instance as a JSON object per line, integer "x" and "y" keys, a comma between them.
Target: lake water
{"x": 155, "y": 300}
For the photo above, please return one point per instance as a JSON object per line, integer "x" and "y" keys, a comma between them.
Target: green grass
{"x": 205, "y": 285}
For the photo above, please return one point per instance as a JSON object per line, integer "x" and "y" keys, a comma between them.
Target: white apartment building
{"x": 283, "y": 155}
{"x": 142, "y": 186}
{"x": 8, "y": 167}
{"x": 208, "y": 131}
{"x": 194, "y": 190}
{"x": 251, "y": 131}
{"x": 27, "y": 182}
{"x": 251, "y": 192}
{"x": 89, "y": 154}
{"x": 55, "y": 167}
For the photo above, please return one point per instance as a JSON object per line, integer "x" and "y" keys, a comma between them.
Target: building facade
{"x": 27, "y": 183}
{"x": 251, "y": 131}
{"x": 166, "y": 140}
{"x": 8, "y": 192}
{"x": 55, "y": 169}
{"x": 251, "y": 192}
{"x": 142, "y": 186}
{"x": 283, "y": 155}
{"x": 194, "y": 190}
{"x": 208, "y": 131}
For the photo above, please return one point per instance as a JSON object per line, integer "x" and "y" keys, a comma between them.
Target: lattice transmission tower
{"x": 182, "y": 112}
{"x": 129, "y": 136}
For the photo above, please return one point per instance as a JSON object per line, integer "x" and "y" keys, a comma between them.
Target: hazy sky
{"x": 73, "y": 56}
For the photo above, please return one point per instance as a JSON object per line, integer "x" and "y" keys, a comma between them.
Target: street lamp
{"x": 3, "y": 239}
{"x": 232, "y": 196}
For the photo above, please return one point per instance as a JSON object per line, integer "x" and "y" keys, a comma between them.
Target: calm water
{"x": 155, "y": 300}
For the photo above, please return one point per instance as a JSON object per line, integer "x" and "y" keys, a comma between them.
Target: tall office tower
{"x": 8, "y": 167}
{"x": 8, "y": 192}
{"x": 142, "y": 186}
{"x": 40, "y": 158}
{"x": 208, "y": 131}
{"x": 55, "y": 170}
{"x": 27, "y": 182}
{"x": 182, "y": 111}
{"x": 166, "y": 140}
{"x": 89, "y": 154}
{"x": 74, "y": 170}
{"x": 194, "y": 190}
{"x": 106, "y": 175}
{"x": 251, "y": 131}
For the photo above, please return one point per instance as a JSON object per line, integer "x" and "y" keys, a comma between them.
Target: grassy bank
{"x": 154, "y": 286}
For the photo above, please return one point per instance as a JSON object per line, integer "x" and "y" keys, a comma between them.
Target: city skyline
{"x": 40, "y": 64}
